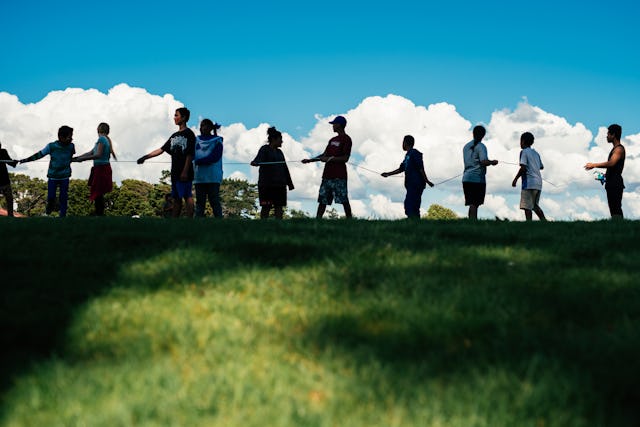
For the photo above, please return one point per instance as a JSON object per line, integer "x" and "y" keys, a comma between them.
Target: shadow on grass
{"x": 450, "y": 297}
{"x": 465, "y": 308}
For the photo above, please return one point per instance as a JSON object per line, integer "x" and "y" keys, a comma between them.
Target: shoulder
{"x": 103, "y": 139}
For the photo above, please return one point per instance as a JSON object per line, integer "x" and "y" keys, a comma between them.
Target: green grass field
{"x": 119, "y": 322}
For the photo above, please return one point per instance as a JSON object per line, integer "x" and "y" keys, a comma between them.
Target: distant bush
{"x": 440, "y": 212}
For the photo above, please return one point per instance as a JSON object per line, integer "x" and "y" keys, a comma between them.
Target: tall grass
{"x": 111, "y": 321}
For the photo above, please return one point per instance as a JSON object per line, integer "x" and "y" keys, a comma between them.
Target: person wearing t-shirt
{"x": 207, "y": 164}
{"x": 334, "y": 177}
{"x": 101, "y": 176}
{"x": 614, "y": 185}
{"x": 415, "y": 178}
{"x": 59, "y": 172}
{"x": 530, "y": 167}
{"x": 476, "y": 161}
{"x": 181, "y": 146}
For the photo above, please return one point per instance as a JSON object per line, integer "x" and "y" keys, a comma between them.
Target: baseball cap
{"x": 339, "y": 120}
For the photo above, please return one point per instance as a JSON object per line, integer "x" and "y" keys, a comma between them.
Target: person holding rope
{"x": 5, "y": 182}
{"x": 614, "y": 185}
{"x": 530, "y": 167}
{"x": 181, "y": 147}
{"x": 274, "y": 176}
{"x": 415, "y": 178}
{"x": 101, "y": 177}
{"x": 334, "y": 176}
{"x": 59, "y": 172}
{"x": 476, "y": 161}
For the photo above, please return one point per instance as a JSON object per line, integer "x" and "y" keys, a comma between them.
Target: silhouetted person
{"x": 207, "y": 165}
{"x": 415, "y": 178}
{"x": 5, "y": 182}
{"x": 181, "y": 147}
{"x": 476, "y": 161}
{"x": 614, "y": 185}
{"x": 334, "y": 177}
{"x": 60, "y": 152}
{"x": 101, "y": 176}
{"x": 274, "y": 176}
{"x": 530, "y": 167}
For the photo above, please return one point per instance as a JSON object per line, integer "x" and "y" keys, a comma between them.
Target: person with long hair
{"x": 101, "y": 176}
{"x": 207, "y": 164}
{"x": 476, "y": 160}
{"x": 274, "y": 176}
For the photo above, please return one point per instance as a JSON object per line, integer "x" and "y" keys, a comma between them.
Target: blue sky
{"x": 432, "y": 69}
{"x": 282, "y": 61}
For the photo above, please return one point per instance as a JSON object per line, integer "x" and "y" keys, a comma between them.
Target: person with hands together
{"x": 274, "y": 176}
{"x": 415, "y": 177}
{"x": 181, "y": 147}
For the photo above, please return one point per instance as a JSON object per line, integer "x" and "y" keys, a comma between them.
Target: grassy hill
{"x": 116, "y": 322}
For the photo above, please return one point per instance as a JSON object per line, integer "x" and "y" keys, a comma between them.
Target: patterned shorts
{"x": 333, "y": 188}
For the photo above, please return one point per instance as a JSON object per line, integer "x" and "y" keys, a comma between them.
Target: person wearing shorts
{"x": 476, "y": 161}
{"x": 334, "y": 176}
{"x": 530, "y": 167}
{"x": 181, "y": 146}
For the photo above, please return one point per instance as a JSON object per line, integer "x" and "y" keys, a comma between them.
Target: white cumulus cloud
{"x": 141, "y": 122}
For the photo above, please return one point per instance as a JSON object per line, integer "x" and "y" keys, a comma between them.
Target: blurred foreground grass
{"x": 111, "y": 321}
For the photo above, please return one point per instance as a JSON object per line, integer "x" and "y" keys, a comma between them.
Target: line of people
{"x": 196, "y": 161}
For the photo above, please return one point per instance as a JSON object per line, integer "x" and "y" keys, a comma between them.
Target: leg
{"x": 51, "y": 196}
{"x": 64, "y": 197}
{"x": 614, "y": 199}
{"x": 321, "y": 208}
{"x": 8, "y": 196}
{"x": 100, "y": 205}
{"x": 278, "y": 211}
{"x": 177, "y": 208}
{"x": 215, "y": 204}
{"x": 473, "y": 212}
{"x": 347, "y": 209}
{"x": 540, "y": 214}
{"x": 189, "y": 207}
{"x": 528, "y": 214}
{"x": 200, "y": 200}
{"x": 264, "y": 211}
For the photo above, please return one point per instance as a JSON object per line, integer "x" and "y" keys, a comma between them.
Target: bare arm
{"x": 154, "y": 153}
{"x": 615, "y": 158}
{"x": 521, "y": 172}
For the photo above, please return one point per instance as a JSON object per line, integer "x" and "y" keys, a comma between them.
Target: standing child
{"x": 181, "y": 146}
{"x": 274, "y": 176}
{"x": 476, "y": 160}
{"x": 415, "y": 178}
{"x": 334, "y": 176}
{"x": 530, "y": 167}
{"x": 208, "y": 168}
{"x": 61, "y": 152}
{"x": 5, "y": 182}
{"x": 100, "y": 178}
